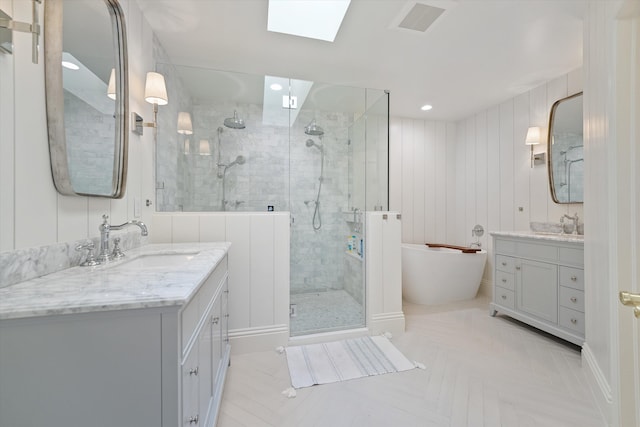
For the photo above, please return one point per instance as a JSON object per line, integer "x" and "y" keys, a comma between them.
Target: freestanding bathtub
{"x": 432, "y": 276}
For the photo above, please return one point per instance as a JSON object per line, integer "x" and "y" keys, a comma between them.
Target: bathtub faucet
{"x": 105, "y": 228}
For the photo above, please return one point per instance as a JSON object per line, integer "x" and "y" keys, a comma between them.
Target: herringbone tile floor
{"x": 481, "y": 371}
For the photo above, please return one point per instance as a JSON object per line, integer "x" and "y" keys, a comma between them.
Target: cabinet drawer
{"x": 505, "y": 280}
{"x": 195, "y": 309}
{"x": 572, "y": 277}
{"x": 209, "y": 287}
{"x": 572, "y": 319}
{"x": 572, "y": 298}
{"x": 504, "y": 297}
{"x": 505, "y": 263}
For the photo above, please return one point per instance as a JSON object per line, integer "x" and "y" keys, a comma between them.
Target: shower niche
{"x": 323, "y": 159}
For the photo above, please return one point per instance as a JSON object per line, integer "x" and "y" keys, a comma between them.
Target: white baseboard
{"x": 387, "y": 322}
{"x": 599, "y": 386}
{"x": 251, "y": 340}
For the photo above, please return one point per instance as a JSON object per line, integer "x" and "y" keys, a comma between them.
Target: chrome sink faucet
{"x": 105, "y": 228}
{"x": 574, "y": 218}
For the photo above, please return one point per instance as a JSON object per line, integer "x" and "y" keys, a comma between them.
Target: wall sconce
{"x": 184, "y": 123}
{"x": 111, "y": 89}
{"x": 155, "y": 93}
{"x": 205, "y": 150}
{"x": 534, "y": 136}
{"x": 7, "y": 26}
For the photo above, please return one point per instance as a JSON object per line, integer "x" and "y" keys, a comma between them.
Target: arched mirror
{"x": 565, "y": 148}
{"x": 87, "y": 96}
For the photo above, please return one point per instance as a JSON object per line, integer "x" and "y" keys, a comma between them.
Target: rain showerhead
{"x": 313, "y": 129}
{"x": 234, "y": 122}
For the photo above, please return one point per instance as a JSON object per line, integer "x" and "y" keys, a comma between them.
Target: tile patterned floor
{"x": 481, "y": 371}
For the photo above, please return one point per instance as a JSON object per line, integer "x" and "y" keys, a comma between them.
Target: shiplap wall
{"x": 447, "y": 177}
{"x": 258, "y": 268}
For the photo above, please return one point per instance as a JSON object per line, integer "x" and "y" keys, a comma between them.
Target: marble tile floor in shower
{"x": 325, "y": 311}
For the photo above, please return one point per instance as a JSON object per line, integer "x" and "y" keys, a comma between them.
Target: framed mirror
{"x": 565, "y": 150}
{"x": 86, "y": 96}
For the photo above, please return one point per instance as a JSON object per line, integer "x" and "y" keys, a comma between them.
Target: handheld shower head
{"x": 312, "y": 143}
{"x": 240, "y": 160}
{"x": 234, "y": 122}
{"x": 313, "y": 129}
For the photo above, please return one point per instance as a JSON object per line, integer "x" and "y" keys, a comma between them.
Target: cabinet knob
{"x": 193, "y": 371}
{"x": 215, "y": 320}
{"x": 504, "y": 280}
{"x": 518, "y": 268}
{"x": 574, "y": 299}
{"x": 574, "y": 321}
{"x": 194, "y": 420}
{"x": 504, "y": 264}
{"x": 504, "y": 297}
{"x": 574, "y": 278}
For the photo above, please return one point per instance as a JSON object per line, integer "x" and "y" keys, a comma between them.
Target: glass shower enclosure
{"x": 260, "y": 143}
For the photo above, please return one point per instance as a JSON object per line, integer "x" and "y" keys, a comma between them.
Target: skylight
{"x": 316, "y": 19}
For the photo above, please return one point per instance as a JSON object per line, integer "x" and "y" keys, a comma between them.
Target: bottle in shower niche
{"x": 349, "y": 244}
{"x": 354, "y": 246}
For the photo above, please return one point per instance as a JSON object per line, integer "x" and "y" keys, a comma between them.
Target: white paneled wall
{"x": 258, "y": 268}
{"x": 384, "y": 273}
{"x": 448, "y": 177}
{"x": 32, "y": 213}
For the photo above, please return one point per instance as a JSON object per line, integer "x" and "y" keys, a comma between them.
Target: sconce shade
{"x": 204, "y": 147}
{"x": 184, "y": 123}
{"x": 155, "y": 91}
{"x": 111, "y": 89}
{"x": 533, "y": 136}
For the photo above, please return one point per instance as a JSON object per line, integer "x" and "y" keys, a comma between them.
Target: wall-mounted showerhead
{"x": 312, "y": 143}
{"x": 234, "y": 122}
{"x": 313, "y": 129}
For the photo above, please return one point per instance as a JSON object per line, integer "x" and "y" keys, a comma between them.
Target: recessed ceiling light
{"x": 276, "y": 86}
{"x": 426, "y": 107}
{"x": 70, "y": 65}
{"x": 317, "y": 19}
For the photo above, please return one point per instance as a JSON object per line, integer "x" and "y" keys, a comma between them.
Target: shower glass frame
{"x": 280, "y": 172}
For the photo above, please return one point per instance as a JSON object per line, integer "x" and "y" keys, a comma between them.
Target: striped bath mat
{"x": 344, "y": 360}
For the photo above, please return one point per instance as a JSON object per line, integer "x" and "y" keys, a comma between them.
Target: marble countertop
{"x": 105, "y": 287}
{"x": 555, "y": 237}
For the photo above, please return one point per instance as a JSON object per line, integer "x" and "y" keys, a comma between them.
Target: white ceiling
{"x": 477, "y": 53}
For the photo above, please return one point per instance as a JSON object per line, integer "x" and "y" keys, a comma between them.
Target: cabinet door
{"x": 224, "y": 316}
{"x": 190, "y": 385}
{"x": 537, "y": 289}
{"x": 216, "y": 324}
{"x": 205, "y": 374}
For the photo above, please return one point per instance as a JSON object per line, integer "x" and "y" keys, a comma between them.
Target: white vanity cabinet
{"x": 540, "y": 281}
{"x": 204, "y": 350}
{"x": 148, "y": 364}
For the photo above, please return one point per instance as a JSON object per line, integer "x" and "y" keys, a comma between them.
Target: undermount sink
{"x": 155, "y": 261}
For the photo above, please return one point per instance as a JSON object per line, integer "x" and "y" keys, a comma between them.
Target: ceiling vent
{"x": 420, "y": 17}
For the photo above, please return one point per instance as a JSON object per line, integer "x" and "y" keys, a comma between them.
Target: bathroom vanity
{"x": 539, "y": 280}
{"x": 138, "y": 342}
